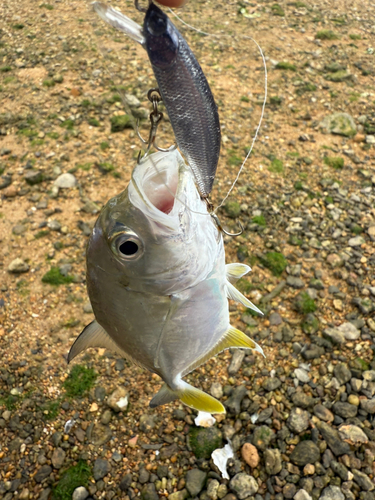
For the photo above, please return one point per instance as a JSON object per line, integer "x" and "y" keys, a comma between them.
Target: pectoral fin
{"x": 236, "y": 271}
{"x": 190, "y": 396}
{"x": 234, "y": 294}
{"x": 93, "y": 335}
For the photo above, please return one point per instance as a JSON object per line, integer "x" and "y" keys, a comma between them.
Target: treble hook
{"x": 220, "y": 227}
{"x": 156, "y": 116}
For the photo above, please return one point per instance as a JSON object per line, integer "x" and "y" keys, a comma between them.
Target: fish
{"x": 158, "y": 283}
{"x": 183, "y": 86}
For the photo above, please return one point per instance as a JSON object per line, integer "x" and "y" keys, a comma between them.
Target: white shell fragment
{"x": 220, "y": 458}
{"x": 204, "y": 419}
{"x": 68, "y": 425}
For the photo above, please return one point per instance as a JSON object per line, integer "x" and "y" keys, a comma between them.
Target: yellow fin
{"x": 231, "y": 338}
{"x": 234, "y": 294}
{"x": 199, "y": 400}
{"x": 236, "y": 271}
{"x": 190, "y": 396}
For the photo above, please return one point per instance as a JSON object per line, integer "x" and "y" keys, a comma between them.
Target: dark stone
{"x": 149, "y": 492}
{"x": 306, "y": 452}
{"x": 33, "y": 177}
{"x": 43, "y": 473}
{"x": 233, "y": 403}
{"x": 345, "y": 410}
{"x": 101, "y": 468}
{"x": 331, "y": 436}
{"x": 126, "y": 482}
{"x": 195, "y": 481}
{"x": 271, "y": 384}
{"x": 262, "y": 437}
{"x": 312, "y": 352}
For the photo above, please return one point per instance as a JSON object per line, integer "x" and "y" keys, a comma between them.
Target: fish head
{"x": 156, "y": 236}
{"x": 161, "y": 37}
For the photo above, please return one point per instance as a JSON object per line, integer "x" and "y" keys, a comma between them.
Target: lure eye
{"x": 157, "y": 24}
{"x": 127, "y": 246}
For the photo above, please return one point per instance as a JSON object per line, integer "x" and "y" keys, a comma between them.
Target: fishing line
{"x": 264, "y": 100}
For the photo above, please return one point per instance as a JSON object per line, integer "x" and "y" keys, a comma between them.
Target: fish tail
{"x": 190, "y": 396}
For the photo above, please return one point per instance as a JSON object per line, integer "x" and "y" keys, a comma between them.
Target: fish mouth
{"x": 158, "y": 180}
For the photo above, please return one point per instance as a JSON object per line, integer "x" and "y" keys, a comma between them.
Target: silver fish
{"x": 158, "y": 283}
{"x": 183, "y": 87}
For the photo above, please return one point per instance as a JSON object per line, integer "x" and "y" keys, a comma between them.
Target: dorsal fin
{"x": 235, "y": 271}
{"x": 93, "y": 335}
{"x": 232, "y": 338}
{"x": 234, "y": 294}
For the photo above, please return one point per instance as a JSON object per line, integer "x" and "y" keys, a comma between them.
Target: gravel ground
{"x": 301, "y": 421}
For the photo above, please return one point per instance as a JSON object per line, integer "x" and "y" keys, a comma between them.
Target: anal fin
{"x": 93, "y": 335}
{"x": 190, "y": 396}
{"x": 235, "y": 271}
{"x": 236, "y": 295}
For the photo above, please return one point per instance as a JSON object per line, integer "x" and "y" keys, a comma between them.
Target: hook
{"x": 138, "y": 7}
{"x": 156, "y": 116}
{"x": 220, "y": 227}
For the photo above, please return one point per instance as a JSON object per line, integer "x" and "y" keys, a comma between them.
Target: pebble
{"x": 233, "y": 403}
{"x": 80, "y": 493}
{"x": 18, "y": 266}
{"x": 195, "y": 481}
{"x": 250, "y": 454}
{"x": 58, "y": 458}
{"x": 101, "y": 468}
{"x": 349, "y": 331}
{"x": 298, "y": 420}
{"x": 43, "y": 473}
{"x": 302, "y": 495}
{"x": 352, "y": 434}
{"x": 65, "y": 181}
{"x": 331, "y": 436}
{"x": 335, "y": 335}
{"x": 216, "y": 390}
{"x": 236, "y": 361}
{"x": 356, "y": 241}
{"x": 33, "y": 177}
{"x": 332, "y": 493}
{"x": 272, "y": 460}
{"x": 345, "y": 410}
{"x": 306, "y": 452}
{"x": 149, "y": 492}
{"x": 118, "y": 400}
{"x": 243, "y": 485}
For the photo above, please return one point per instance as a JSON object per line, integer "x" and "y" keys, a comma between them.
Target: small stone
{"x": 298, "y": 421}
{"x": 289, "y": 490}
{"x": 272, "y": 460}
{"x": 345, "y": 410}
{"x": 340, "y": 124}
{"x": 80, "y": 493}
{"x": 352, "y": 434}
{"x": 302, "y": 495}
{"x": 146, "y": 422}
{"x": 236, "y": 361}
{"x": 332, "y": 493}
{"x": 295, "y": 282}
{"x": 331, "y": 436}
{"x": 212, "y": 489}
{"x": 216, "y": 390}
{"x": 195, "y": 481}
{"x": 342, "y": 373}
{"x": 179, "y": 495}
{"x": 24, "y": 495}
{"x": 302, "y": 375}
{"x": 149, "y": 492}
{"x": 144, "y": 476}
{"x": 250, "y": 455}
{"x": 306, "y": 452}
{"x": 363, "y": 480}
{"x": 33, "y": 177}
{"x": 118, "y": 400}
{"x": 18, "y": 266}
{"x": 243, "y": 485}
{"x": 43, "y": 473}
{"x": 262, "y": 437}
{"x": 101, "y": 468}
{"x": 309, "y": 470}
{"x": 368, "y": 405}
{"x": 65, "y": 181}
{"x": 323, "y": 413}
{"x": 334, "y": 335}
{"x": 271, "y": 383}
{"x": 58, "y": 458}
{"x": 232, "y": 209}
{"x": 19, "y": 229}
{"x": 233, "y": 403}
{"x": 275, "y": 319}
{"x": 349, "y": 331}
{"x": 356, "y": 241}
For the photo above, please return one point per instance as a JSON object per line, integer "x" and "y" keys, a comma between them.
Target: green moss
{"x": 334, "y": 161}
{"x": 119, "y": 123}
{"x": 275, "y": 262}
{"x": 203, "y": 441}
{"x": 245, "y": 286}
{"x": 306, "y": 87}
{"x": 52, "y": 135}
{"x": 276, "y": 166}
{"x": 326, "y": 35}
{"x": 80, "y": 380}
{"x": 232, "y": 209}
{"x": 104, "y": 145}
{"x": 328, "y": 200}
{"x": 51, "y": 409}
{"x": 233, "y": 159}
{"x": 310, "y": 325}
{"x": 354, "y": 36}
{"x": 275, "y": 100}
{"x": 356, "y": 229}
{"x": 93, "y": 122}
{"x": 105, "y": 167}
{"x": 114, "y": 98}
{"x": 294, "y": 240}
{"x": 9, "y": 79}
{"x": 18, "y": 26}
{"x": 46, "y": 6}
{"x": 5, "y": 69}
{"x": 361, "y": 364}
{"x": 242, "y": 253}
{"x": 77, "y": 475}
{"x": 304, "y": 304}
{"x": 277, "y": 10}
{"x": 338, "y": 76}
{"x": 68, "y": 124}
{"x": 286, "y": 65}
{"x": 28, "y": 132}
{"x": 54, "y": 277}
{"x": 260, "y": 220}
{"x": 48, "y": 83}
{"x": 244, "y": 98}
{"x": 41, "y": 234}
{"x": 9, "y": 401}
{"x": 85, "y": 103}
{"x": 298, "y": 186}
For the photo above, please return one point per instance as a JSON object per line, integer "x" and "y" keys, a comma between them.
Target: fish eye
{"x": 127, "y": 246}
{"x": 157, "y": 24}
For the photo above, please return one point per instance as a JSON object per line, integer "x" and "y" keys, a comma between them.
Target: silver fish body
{"x": 183, "y": 87}
{"x": 157, "y": 280}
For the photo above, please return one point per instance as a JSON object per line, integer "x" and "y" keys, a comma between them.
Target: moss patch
{"x": 275, "y": 262}
{"x": 286, "y": 65}
{"x": 334, "y": 161}
{"x": 326, "y": 35}
{"x": 80, "y": 380}
{"x": 204, "y": 441}
{"x": 75, "y": 476}
{"x": 119, "y": 123}
{"x": 304, "y": 304}
{"x": 54, "y": 277}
